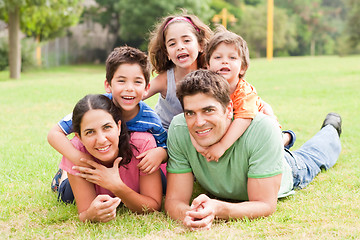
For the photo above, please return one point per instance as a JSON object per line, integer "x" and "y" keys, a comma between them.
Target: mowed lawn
{"x": 301, "y": 90}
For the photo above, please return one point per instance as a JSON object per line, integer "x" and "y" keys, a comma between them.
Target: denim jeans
{"x": 320, "y": 152}
{"x": 65, "y": 193}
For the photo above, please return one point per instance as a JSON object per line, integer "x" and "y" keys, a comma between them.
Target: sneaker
{"x": 333, "y": 119}
{"x": 56, "y": 180}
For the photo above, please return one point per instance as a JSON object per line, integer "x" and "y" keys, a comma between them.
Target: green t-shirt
{"x": 258, "y": 153}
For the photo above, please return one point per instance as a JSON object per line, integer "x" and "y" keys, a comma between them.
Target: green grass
{"x": 301, "y": 91}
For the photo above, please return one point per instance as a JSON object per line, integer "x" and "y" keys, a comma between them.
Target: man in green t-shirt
{"x": 251, "y": 174}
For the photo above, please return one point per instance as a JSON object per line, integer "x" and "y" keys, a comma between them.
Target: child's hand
{"x": 198, "y": 148}
{"x": 151, "y": 159}
{"x": 214, "y": 152}
{"x": 267, "y": 110}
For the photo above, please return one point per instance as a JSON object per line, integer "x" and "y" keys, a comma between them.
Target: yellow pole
{"x": 270, "y": 30}
{"x": 224, "y": 17}
{"x": 38, "y": 51}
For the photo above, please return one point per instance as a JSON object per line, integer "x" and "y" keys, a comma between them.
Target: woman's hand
{"x": 98, "y": 174}
{"x": 102, "y": 209}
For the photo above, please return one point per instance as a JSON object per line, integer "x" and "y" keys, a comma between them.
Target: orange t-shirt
{"x": 246, "y": 102}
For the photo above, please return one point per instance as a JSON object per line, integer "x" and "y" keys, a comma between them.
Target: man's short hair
{"x": 206, "y": 82}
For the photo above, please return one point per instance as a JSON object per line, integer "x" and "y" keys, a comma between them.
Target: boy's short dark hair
{"x": 224, "y": 36}
{"x": 129, "y": 55}
{"x": 206, "y": 82}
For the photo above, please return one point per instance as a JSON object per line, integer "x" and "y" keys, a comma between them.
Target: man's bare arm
{"x": 178, "y": 194}
{"x": 262, "y": 202}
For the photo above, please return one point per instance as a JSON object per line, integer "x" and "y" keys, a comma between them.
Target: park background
{"x": 315, "y": 70}
{"x": 58, "y": 32}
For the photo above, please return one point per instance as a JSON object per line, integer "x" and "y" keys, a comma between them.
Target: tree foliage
{"x": 236, "y": 10}
{"x": 45, "y": 18}
{"x": 131, "y": 20}
{"x": 50, "y": 19}
{"x": 253, "y": 28}
{"x": 319, "y": 23}
{"x": 138, "y": 16}
{"x": 353, "y": 22}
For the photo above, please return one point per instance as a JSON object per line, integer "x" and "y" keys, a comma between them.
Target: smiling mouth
{"x": 182, "y": 56}
{"x": 128, "y": 98}
{"x": 103, "y": 149}
{"x": 200, "y": 132}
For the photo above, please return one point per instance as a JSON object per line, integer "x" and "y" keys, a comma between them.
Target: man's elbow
{"x": 270, "y": 209}
{"x": 172, "y": 209}
{"x": 167, "y": 206}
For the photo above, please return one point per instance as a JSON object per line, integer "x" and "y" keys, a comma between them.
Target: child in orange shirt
{"x": 227, "y": 54}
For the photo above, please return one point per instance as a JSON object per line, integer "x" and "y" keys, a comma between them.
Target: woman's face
{"x": 100, "y": 134}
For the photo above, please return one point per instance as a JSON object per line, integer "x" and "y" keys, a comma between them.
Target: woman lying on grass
{"x": 113, "y": 176}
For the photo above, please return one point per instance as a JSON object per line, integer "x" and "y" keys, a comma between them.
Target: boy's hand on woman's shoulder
{"x": 151, "y": 159}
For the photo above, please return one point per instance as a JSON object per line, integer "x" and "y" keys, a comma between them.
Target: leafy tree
{"x": 10, "y": 13}
{"x": 253, "y": 28}
{"x": 253, "y": 2}
{"x": 51, "y": 19}
{"x": 132, "y": 20}
{"x": 233, "y": 7}
{"x": 319, "y": 23}
{"x": 353, "y": 22}
{"x": 41, "y": 18}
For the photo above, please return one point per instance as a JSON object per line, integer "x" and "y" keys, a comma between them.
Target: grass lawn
{"x": 301, "y": 90}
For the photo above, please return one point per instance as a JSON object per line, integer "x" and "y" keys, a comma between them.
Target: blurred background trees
{"x": 37, "y": 19}
{"x": 301, "y": 27}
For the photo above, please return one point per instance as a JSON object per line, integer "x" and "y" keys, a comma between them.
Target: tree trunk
{"x": 14, "y": 43}
{"x": 312, "y": 47}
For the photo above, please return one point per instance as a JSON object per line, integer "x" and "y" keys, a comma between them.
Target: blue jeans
{"x": 320, "y": 152}
{"x": 65, "y": 193}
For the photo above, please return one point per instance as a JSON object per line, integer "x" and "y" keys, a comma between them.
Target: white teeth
{"x": 182, "y": 56}
{"x": 205, "y": 131}
{"x": 128, "y": 98}
{"x": 104, "y": 148}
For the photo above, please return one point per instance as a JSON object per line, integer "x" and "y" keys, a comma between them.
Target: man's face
{"x": 206, "y": 118}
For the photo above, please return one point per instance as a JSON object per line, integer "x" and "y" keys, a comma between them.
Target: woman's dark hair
{"x": 98, "y": 101}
